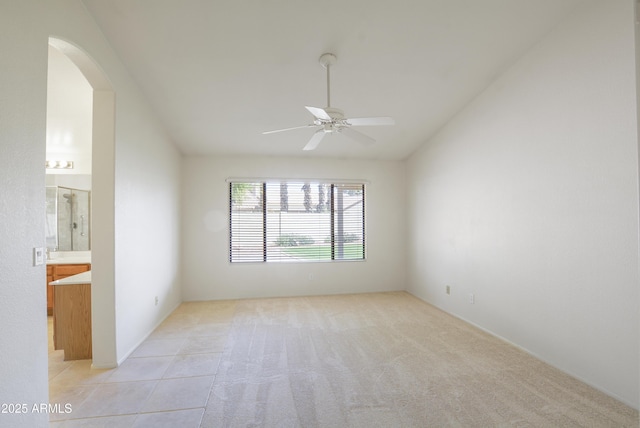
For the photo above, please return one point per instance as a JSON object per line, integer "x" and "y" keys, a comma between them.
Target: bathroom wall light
{"x": 59, "y": 164}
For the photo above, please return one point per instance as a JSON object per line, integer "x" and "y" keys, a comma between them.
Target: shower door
{"x": 71, "y": 217}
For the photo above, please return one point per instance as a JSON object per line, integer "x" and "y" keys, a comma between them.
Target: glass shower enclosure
{"x": 67, "y": 219}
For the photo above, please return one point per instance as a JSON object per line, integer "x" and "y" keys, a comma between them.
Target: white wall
{"x": 146, "y": 200}
{"x": 529, "y": 200}
{"x": 74, "y": 181}
{"x": 23, "y": 91}
{"x": 69, "y": 112}
{"x": 147, "y": 217}
{"x": 207, "y": 273}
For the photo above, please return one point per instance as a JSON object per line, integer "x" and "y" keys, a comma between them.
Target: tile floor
{"x": 165, "y": 382}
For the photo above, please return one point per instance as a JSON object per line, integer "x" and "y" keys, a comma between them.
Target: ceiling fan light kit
{"x": 330, "y": 120}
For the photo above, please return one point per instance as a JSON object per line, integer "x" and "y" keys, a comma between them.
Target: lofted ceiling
{"x": 219, "y": 73}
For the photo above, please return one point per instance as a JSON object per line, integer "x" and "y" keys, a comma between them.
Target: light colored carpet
{"x": 386, "y": 360}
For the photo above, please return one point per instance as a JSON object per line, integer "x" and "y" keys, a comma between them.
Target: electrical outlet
{"x": 472, "y": 298}
{"x": 448, "y": 289}
{"x": 156, "y": 300}
{"x": 312, "y": 277}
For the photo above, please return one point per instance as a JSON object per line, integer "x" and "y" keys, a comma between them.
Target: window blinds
{"x": 247, "y": 222}
{"x": 296, "y": 221}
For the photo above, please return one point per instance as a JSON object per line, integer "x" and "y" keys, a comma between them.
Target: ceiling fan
{"x": 330, "y": 120}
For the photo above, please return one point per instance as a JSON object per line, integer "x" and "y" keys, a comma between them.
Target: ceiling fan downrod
{"x": 327, "y": 60}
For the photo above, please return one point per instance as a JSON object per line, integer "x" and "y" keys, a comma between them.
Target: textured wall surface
{"x": 528, "y": 199}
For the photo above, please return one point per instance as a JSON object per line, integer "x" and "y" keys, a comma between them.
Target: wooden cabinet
{"x": 59, "y": 271}
{"x": 72, "y": 321}
{"x": 49, "y": 290}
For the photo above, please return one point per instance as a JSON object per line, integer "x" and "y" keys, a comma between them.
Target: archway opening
{"x": 102, "y": 220}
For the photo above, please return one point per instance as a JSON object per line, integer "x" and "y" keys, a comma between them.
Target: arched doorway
{"x": 102, "y": 205}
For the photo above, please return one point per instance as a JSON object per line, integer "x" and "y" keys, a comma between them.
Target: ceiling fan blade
{"x": 371, "y": 121}
{"x": 319, "y": 113}
{"x": 315, "y": 140}
{"x": 286, "y": 129}
{"x": 358, "y": 136}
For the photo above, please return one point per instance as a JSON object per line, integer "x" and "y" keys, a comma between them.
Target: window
{"x": 296, "y": 221}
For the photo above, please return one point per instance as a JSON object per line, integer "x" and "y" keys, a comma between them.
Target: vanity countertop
{"x": 69, "y": 257}
{"x": 81, "y": 278}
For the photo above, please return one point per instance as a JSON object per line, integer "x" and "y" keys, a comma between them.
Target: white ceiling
{"x": 219, "y": 73}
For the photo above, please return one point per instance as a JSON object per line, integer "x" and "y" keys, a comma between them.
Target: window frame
{"x": 363, "y": 184}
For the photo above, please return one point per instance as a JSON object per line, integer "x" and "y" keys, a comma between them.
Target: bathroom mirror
{"x": 67, "y": 225}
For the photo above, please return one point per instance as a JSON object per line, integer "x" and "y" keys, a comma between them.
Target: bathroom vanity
{"x": 59, "y": 270}
{"x": 72, "y": 316}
